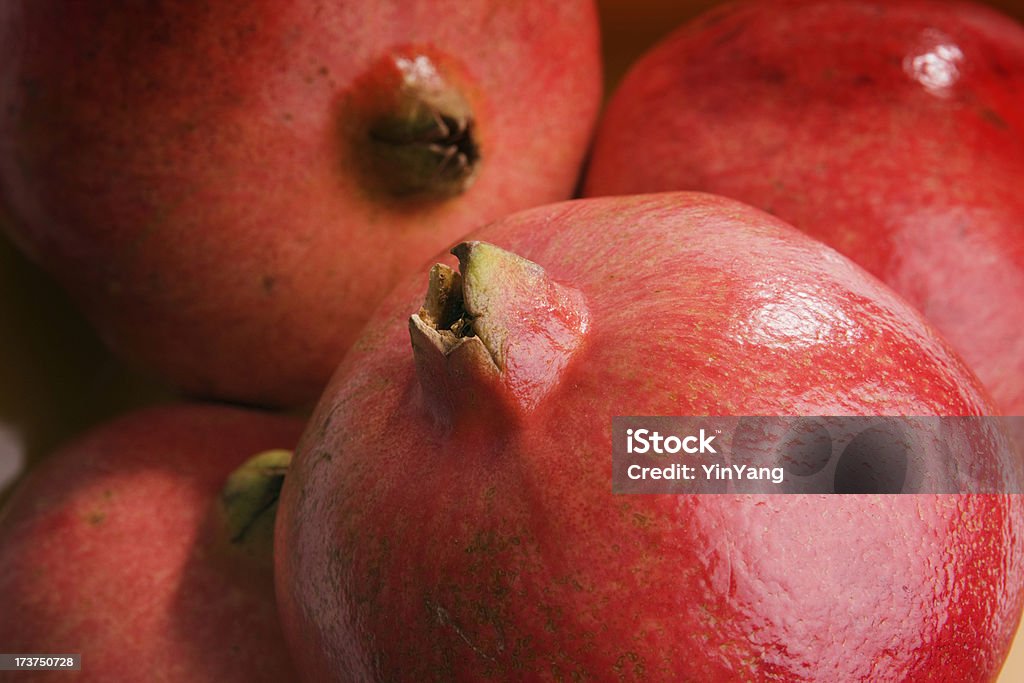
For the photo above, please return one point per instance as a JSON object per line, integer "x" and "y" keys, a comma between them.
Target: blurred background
{"x": 56, "y": 378}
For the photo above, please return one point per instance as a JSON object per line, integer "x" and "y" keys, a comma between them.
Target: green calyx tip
{"x": 249, "y": 498}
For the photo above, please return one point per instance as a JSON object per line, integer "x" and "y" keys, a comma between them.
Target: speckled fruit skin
{"x": 496, "y": 550}
{"x": 107, "y": 549}
{"x": 893, "y": 131}
{"x": 181, "y": 167}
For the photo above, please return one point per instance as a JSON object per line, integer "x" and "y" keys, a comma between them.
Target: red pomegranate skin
{"x": 185, "y": 168}
{"x": 109, "y": 549}
{"x": 410, "y": 548}
{"x": 893, "y": 131}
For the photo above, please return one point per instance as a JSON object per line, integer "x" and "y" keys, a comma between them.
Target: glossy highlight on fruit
{"x": 436, "y": 527}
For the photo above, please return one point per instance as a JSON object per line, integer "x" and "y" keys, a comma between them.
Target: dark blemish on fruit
{"x": 443, "y": 618}
{"x": 640, "y": 520}
{"x": 712, "y": 17}
{"x": 330, "y": 418}
{"x": 269, "y": 282}
{"x": 732, "y": 34}
{"x": 993, "y": 118}
{"x": 773, "y": 75}
{"x": 30, "y": 88}
{"x": 635, "y": 665}
{"x": 96, "y": 518}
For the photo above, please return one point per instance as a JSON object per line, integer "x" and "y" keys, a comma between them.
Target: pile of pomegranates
{"x": 403, "y": 292}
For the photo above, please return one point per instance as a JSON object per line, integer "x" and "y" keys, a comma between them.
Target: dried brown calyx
{"x": 498, "y": 334}
{"x": 414, "y": 134}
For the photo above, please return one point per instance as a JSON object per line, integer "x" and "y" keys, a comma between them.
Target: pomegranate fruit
{"x": 207, "y": 179}
{"x": 893, "y": 131}
{"x": 141, "y": 547}
{"x": 450, "y": 516}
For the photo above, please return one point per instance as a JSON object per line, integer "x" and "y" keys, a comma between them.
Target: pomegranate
{"x": 893, "y": 131}
{"x": 450, "y": 516}
{"x": 207, "y": 179}
{"x": 146, "y": 547}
